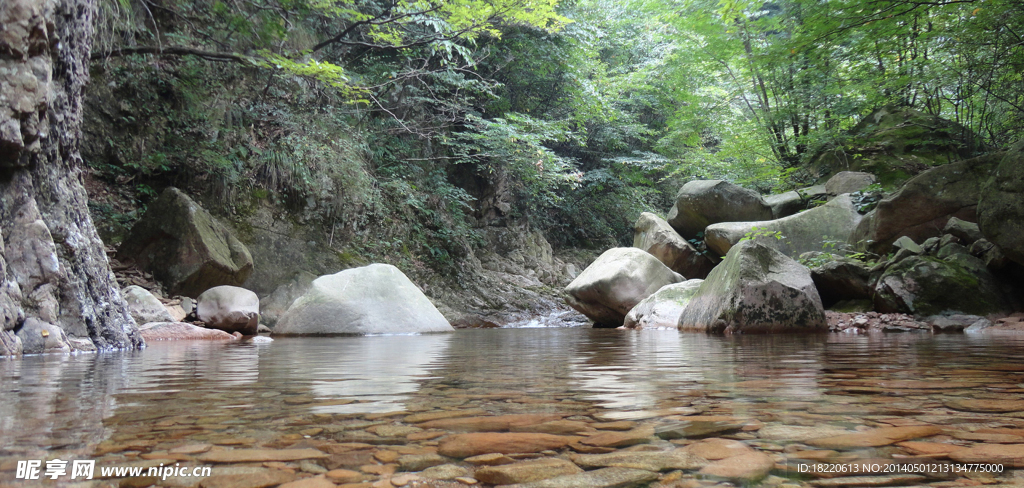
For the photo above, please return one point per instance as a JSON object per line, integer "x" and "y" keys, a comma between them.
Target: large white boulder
{"x": 144, "y": 306}
{"x": 615, "y": 282}
{"x": 374, "y": 299}
{"x": 663, "y": 309}
{"x": 229, "y": 308}
{"x": 758, "y": 290}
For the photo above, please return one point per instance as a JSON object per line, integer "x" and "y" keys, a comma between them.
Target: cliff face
{"x": 56, "y": 288}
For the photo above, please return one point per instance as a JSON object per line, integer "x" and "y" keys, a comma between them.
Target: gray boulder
{"x": 664, "y": 307}
{"x": 791, "y": 202}
{"x": 654, "y": 235}
{"x": 839, "y": 278}
{"x": 756, "y": 289}
{"x": 701, "y": 203}
{"x": 275, "y": 305}
{"x": 1001, "y": 207}
{"x": 144, "y": 307}
{"x": 967, "y": 232}
{"x": 229, "y": 308}
{"x": 185, "y": 247}
{"x": 615, "y": 282}
{"x": 38, "y": 337}
{"x": 803, "y": 232}
{"x": 849, "y": 182}
{"x": 989, "y": 253}
{"x": 928, "y": 285}
{"x": 924, "y": 205}
{"x": 374, "y": 299}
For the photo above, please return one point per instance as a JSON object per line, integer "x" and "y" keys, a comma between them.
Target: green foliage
{"x": 833, "y": 249}
{"x": 756, "y": 233}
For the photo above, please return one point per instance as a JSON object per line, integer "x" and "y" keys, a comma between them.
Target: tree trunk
{"x": 57, "y": 292}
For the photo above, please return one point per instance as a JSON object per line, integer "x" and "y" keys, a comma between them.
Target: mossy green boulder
{"x": 895, "y": 144}
{"x": 755, "y": 290}
{"x": 924, "y": 205}
{"x": 185, "y": 247}
{"x": 930, "y": 285}
{"x": 1001, "y": 207}
{"x": 800, "y": 233}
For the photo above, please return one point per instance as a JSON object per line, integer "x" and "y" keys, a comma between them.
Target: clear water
{"x": 252, "y": 395}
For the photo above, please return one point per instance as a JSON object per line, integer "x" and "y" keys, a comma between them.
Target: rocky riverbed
{"x": 533, "y": 408}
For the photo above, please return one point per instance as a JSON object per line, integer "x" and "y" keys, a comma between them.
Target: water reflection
{"x": 70, "y": 403}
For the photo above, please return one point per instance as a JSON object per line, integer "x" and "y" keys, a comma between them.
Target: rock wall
{"x": 53, "y": 270}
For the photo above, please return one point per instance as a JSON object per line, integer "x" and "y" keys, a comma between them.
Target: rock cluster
{"x": 939, "y": 261}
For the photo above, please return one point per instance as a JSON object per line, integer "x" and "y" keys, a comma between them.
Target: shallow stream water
{"x": 361, "y": 401}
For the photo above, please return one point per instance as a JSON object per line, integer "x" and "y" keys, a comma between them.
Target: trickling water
{"x": 118, "y": 408}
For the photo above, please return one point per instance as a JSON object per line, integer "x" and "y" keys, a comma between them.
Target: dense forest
{"x": 401, "y": 127}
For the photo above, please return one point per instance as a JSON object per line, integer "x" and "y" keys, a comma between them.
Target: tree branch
{"x": 174, "y": 51}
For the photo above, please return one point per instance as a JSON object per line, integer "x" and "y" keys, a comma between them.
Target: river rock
{"x": 374, "y": 299}
{"x": 229, "y": 308}
{"x": 185, "y": 247}
{"x": 274, "y": 306}
{"x": 715, "y": 449}
{"x": 639, "y": 435}
{"x": 748, "y": 467}
{"x": 494, "y": 423}
{"x": 259, "y": 455}
{"x": 180, "y": 331}
{"x": 923, "y": 206}
{"x": 419, "y": 462}
{"x": 849, "y": 182}
{"x": 985, "y": 405}
{"x": 690, "y": 429}
{"x": 598, "y": 478}
{"x": 646, "y": 460}
{"x": 559, "y": 427}
{"x": 654, "y": 235}
{"x": 967, "y": 232}
{"x": 1009, "y": 455}
{"x": 701, "y": 203}
{"x": 38, "y": 337}
{"x": 258, "y": 478}
{"x": 444, "y": 472}
{"x": 144, "y": 307}
{"x": 803, "y": 232}
{"x": 10, "y": 343}
{"x": 1000, "y": 212}
{"x": 791, "y": 202}
{"x": 466, "y": 445}
{"x": 616, "y": 282}
{"x": 526, "y": 471}
{"x": 839, "y": 278}
{"x": 875, "y": 437}
{"x": 927, "y": 285}
{"x": 756, "y": 289}
{"x": 663, "y": 308}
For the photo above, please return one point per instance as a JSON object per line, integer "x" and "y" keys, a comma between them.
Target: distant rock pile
{"x": 916, "y": 260}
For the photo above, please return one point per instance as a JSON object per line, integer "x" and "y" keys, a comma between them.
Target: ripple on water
{"x": 358, "y": 406}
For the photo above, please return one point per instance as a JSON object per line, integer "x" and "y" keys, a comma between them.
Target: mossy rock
{"x": 758, "y": 290}
{"x": 185, "y": 247}
{"x": 927, "y": 285}
{"x": 896, "y": 144}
